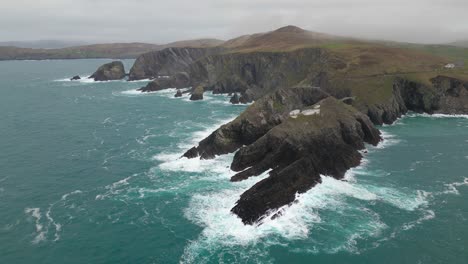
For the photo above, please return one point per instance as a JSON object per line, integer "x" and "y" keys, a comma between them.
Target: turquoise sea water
{"x": 90, "y": 173}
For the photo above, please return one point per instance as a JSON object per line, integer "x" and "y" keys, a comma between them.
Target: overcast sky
{"x": 426, "y": 21}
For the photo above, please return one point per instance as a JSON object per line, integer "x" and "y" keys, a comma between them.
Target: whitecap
{"x": 452, "y": 187}
{"x": 387, "y": 140}
{"x": 65, "y": 196}
{"x": 41, "y": 232}
{"x": 438, "y": 115}
{"x": 115, "y": 188}
{"x": 426, "y": 215}
{"x": 57, "y": 226}
{"x": 297, "y": 221}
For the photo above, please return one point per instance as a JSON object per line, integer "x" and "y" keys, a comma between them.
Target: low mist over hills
{"x": 43, "y": 44}
{"x": 460, "y": 43}
{"x": 286, "y": 38}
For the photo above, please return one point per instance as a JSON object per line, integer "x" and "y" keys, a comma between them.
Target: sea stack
{"x": 234, "y": 99}
{"x": 197, "y": 93}
{"x": 110, "y": 71}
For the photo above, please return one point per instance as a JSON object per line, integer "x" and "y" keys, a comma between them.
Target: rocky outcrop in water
{"x": 234, "y": 99}
{"x": 179, "y": 80}
{"x": 197, "y": 93}
{"x": 167, "y": 62}
{"x": 75, "y": 78}
{"x": 110, "y": 71}
{"x": 323, "y": 139}
{"x": 178, "y": 93}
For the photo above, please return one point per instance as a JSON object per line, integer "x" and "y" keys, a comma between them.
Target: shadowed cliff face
{"x": 258, "y": 73}
{"x": 167, "y": 62}
{"x": 440, "y": 94}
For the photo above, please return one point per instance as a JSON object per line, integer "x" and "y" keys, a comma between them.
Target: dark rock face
{"x": 299, "y": 150}
{"x": 179, "y": 80}
{"x": 256, "y": 121}
{"x": 257, "y": 73}
{"x": 234, "y": 99}
{"x": 197, "y": 93}
{"x": 178, "y": 93}
{"x": 74, "y": 78}
{"x": 452, "y": 95}
{"x": 167, "y": 62}
{"x": 110, "y": 71}
{"x": 445, "y": 95}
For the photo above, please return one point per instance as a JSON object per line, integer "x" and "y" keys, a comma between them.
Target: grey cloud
{"x": 427, "y": 21}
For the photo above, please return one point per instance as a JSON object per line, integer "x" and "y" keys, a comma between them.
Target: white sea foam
{"x": 86, "y": 80}
{"x": 57, "y": 226}
{"x": 388, "y": 140}
{"x": 138, "y": 81}
{"x": 425, "y": 215}
{"x": 297, "y": 221}
{"x": 133, "y": 92}
{"x": 65, "y": 196}
{"x": 174, "y": 161}
{"x": 438, "y": 115}
{"x": 452, "y": 187}
{"x": 115, "y": 188}
{"x": 35, "y": 213}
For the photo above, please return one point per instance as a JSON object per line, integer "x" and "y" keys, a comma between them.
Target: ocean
{"x": 90, "y": 172}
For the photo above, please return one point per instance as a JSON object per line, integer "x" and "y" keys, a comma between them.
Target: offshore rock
{"x": 197, "y": 93}
{"x": 110, "y": 71}
{"x": 178, "y": 93}
{"x": 75, "y": 78}
{"x": 179, "y": 80}
{"x": 234, "y": 99}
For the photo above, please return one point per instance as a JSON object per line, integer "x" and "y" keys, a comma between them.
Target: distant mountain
{"x": 460, "y": 43}
{"x": 285, "y": 38}
{"x": 110, "y": 50}
{"x": 43, "y": 44}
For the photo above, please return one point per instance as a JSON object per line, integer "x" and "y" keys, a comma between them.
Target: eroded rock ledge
{"x": 256, "y": 121}
{"x": 298, "y": 151}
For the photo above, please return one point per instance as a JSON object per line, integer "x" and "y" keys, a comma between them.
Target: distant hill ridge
{"x": 109, "y": 50}
{"x": 286, "y": 38}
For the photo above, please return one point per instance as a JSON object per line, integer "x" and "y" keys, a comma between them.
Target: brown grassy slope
{"x": 110, "y": 50}
{"x": 283, "y": 39}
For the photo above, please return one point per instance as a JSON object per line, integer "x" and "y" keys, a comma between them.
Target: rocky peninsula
{"x": 316, "y": 101}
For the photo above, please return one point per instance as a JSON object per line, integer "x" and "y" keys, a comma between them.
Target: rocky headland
{"x": 317, "y": 100}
